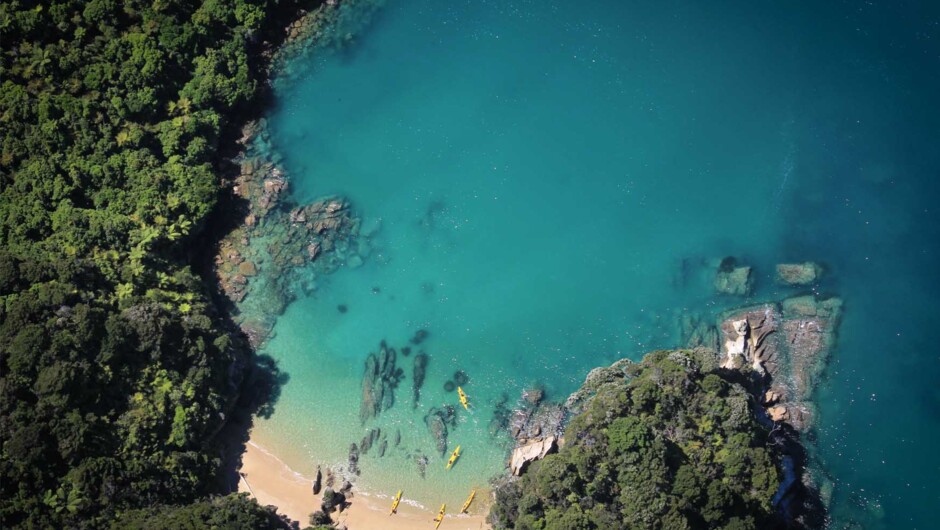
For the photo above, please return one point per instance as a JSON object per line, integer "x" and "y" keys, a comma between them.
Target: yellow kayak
{"x": 463, "y": 398}
{"x": 440, "y": 516}
{"x": 453, "y": 457}
{"x": 395, "y": 503}
{"x": 466, "y": 505}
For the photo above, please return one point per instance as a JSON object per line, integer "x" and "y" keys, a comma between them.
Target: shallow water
{"x": 549, "y": 178}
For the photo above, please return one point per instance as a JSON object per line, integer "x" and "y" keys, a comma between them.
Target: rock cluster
{"x": 331, "y": 26}
{"x": 333, "y": 500}
{"x": 786, "y": 345}
{"x": 379, "y": 380}
{"x": 279, "y": 245}
{"x": 535, "y": 425}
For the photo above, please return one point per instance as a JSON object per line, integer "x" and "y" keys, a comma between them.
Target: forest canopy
{"x": 116, "y": 372}
{"x": 674, "y": 446}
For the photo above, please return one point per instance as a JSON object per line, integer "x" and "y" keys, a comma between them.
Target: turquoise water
{"x": 548, "y": 178}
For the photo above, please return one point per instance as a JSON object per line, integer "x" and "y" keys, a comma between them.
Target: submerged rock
{"x": 733, "y": 280}
{"x": 379, "y": 380}
{"x": 419, "y": 336}
{"x": 368, "y": 440}
{"x": 533, "y": 396}
{"x": 369, "y": 406}
{"x": 422, "y": 462}
{"x": 436, "y": 420}
{"x": 449, "y": 386}
{"x": 501, "y": 412}
{"x": 461, "y": 378}
{"x": 698, "y": 332}
{"x": 420, "y": 369}
{"x": 805, "y": 273}
{"x": 353, "y": 463}
{"x": 247, "y": 268}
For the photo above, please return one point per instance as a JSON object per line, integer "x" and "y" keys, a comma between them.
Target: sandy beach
{"x": 271, "y": 482}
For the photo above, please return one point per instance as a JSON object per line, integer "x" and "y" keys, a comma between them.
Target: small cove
{"x": 548, "y": 179}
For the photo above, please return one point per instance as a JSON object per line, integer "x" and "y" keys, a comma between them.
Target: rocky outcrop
{"x": 331, "y": 26}
{"x": 533, "y": 421}
{"x": 332, "y": 500}
{"x": 806, "y": 273}
{"x": 279, "y": 246}
{"x": 318, "y": 482}
{"x": 533, "y": 396}
{"x": 534, "y": 450}
{"x": 786, "y": 346}
{"x": 733, "y": 279}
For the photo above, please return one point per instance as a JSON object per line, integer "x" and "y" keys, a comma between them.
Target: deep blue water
{"x": 542, "y": 170}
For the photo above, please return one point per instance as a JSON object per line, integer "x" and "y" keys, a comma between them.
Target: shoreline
{"x": 267, "y": 479}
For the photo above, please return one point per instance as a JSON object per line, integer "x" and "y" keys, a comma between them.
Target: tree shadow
{"x": 259, "y": 394}
{"x": 255, "y": 379}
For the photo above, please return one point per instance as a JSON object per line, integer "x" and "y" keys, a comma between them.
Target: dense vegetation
{"x": 674, "y": 445}
{"x": 116, "y": 374}
{"x": 233, "y": 511}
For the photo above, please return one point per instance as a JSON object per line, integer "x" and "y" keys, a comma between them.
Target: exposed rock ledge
{"x": 530, "y": 452}
{"x": 786, "y": 345}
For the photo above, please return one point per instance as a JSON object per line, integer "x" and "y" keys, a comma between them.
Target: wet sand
{"x": 271, "y": 482}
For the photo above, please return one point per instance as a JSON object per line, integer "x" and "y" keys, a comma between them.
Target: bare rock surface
{"x": 787, "y": 346}
{"x": 530, "y": 452}
{"x": 733, "y": 279}
{"x": 806, "y": 273}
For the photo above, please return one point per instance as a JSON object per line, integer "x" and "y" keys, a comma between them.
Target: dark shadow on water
{"x": 260, "y": 392}
{"x": 255, "y": 379}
